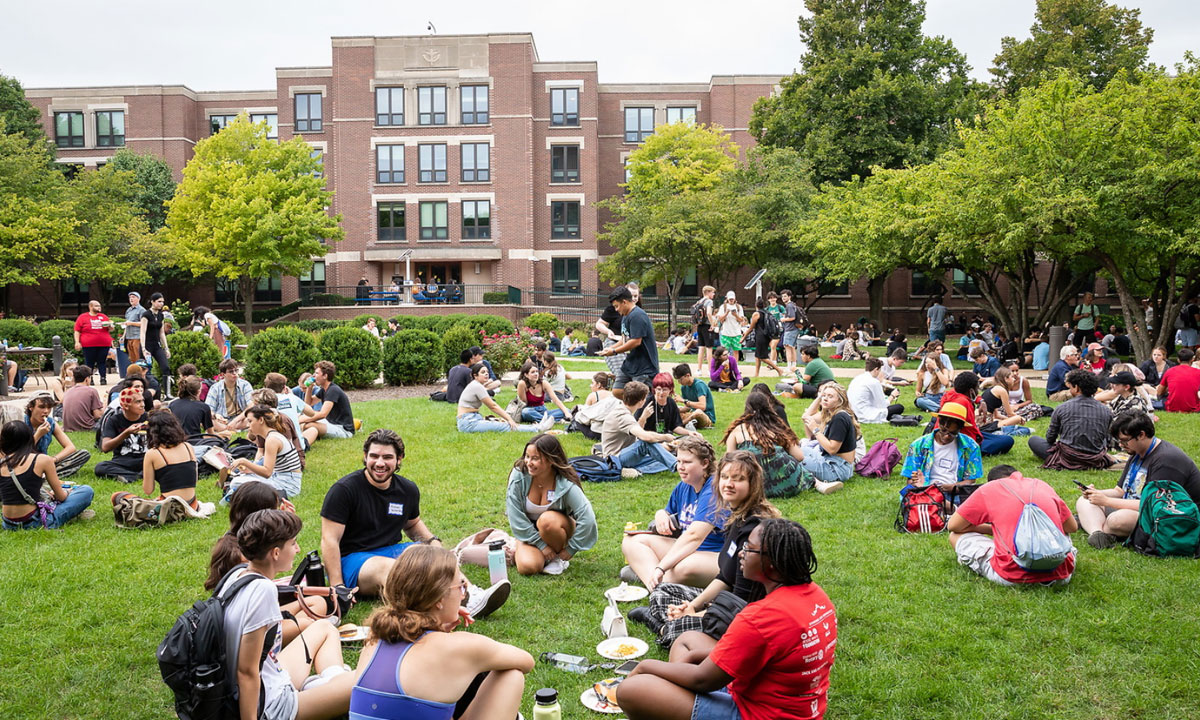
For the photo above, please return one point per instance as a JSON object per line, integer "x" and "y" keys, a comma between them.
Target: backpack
{"x": 880, "y": 460}
{"x": 1038, "y": 544}
{"x": 922, "y": 510}
{"x": 1168, "y": 521}
{"x": 698, "y": 315}
{"x": 193, "y": 661}
{"x": 1184, "y": 320}
{"x": 593, "y": 468}
{"x": 771, "y": 325}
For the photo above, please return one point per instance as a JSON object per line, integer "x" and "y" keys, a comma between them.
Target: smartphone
{"x": 1081, "y": 485}
{"x": 627, "y": 667}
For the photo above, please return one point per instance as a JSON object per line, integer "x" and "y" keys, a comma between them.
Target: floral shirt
{"x": 920, "y": 457}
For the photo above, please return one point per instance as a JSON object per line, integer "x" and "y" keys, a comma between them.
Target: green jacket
{"x": 568, "y": 499}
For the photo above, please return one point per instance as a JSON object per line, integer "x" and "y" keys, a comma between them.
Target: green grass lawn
{"x": 83, "y": 610}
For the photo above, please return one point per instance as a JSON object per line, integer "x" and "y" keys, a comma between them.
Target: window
{"x": 68, "y": 129}
{"x": 476, "y": 219}
{"x": 308, "y": 112}
{"x": 826, "y": 287}
{"x": 110, "y": 128}
{"x": 925, "y": 285}
{"x": 966, "y": 284}
{"x": 433, "y": 163}
{"x": 474, "y": 104}
{"x": 564, "y": 163}
{"x": 75, "y": 292}
{"x": 639, "y": 123}
{"x": 389, "y": 106}
{"x": 434, "y": 222}
{"x": 319, "y": 156}
{"x": 476, "y": 162}
{"x": 431, "y": 106}
{"x": 389, "y": 164}
{"x": 564, "y": 219}
{"x": 391, "y": 222}
{"x": 689, "y": 288}
{"x": 681, "y": 114}
{"x": 272, "y": 121}
{"x": 565, "y": 276}
{"x": 217, "y": 123}
{"x": 313, "y": 281}
{"x": 564, "y": 106}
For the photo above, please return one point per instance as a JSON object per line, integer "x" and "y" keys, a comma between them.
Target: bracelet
{"x": 664, "y": 572}
{"x": 431, "y": 538}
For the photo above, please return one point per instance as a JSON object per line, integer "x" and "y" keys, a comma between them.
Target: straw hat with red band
{"x": 954, "y": 411}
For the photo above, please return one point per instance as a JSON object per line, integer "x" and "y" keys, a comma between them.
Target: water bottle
{"x": 545, "y": 705}
{"x": 315, "y": 575}
{"x": 497, "y": 565}
{"x": 570, "y": 663}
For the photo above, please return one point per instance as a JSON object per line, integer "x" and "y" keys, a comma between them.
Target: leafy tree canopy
{"x": 155, "y": 184}
{"x": 19, "y": 115}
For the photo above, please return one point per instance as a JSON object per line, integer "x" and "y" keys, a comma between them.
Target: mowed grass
{"x": 83, "y": 610}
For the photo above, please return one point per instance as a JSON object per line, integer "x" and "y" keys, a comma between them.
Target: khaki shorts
{"x": 975, "y": 551}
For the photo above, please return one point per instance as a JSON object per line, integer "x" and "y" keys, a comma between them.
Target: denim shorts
{"x": 717, "y": 705}
{"x": 790, "y": 337}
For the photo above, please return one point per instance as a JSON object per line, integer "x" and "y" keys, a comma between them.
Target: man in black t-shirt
{"x": 195, "y": 417}
{"x": 594, "y": 344}
{"x": 459, "y": 377}
{"x": 639, "y": 348}
{"x": 609, "y": 326}
{"x": 334, "y": 418}
{"x": 123, "y": 434}
{"x": 364, "y": 519}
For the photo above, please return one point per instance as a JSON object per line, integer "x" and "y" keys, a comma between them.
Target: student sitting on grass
{"x": 867, "y": 395}
{"x": 674, "y": 609}
{"x": 1109, "y": 516}
{"x": 832, "y": 434}
{"x": 196, "y": 418}
{"x": 39, "y": 416}
{"x": 334, "y": 418}
{"x": 82, "y": 405}
{"x": 23, "y": 471}
{"x": 697, "y": 408}
{"x": 687, "y": 532}
{"x": 589, "y": 417}
{"x": 229, "y": 396}
{"x": 760, "y": 432}
{"x": 171, "y": 461}
{"x": 1078, "y": 435}
{"x": 557, "y": 377}
{"x": 945, "y": 457}
{"x": 415, "y": 666}
{"x": 475, "y": 395}
{"x": 536, "y": 391}
{"x": 660, "y": 412}
{"x": 550, "y": 516}
{"x": 815, "y": 374}
{"x": 267, "y": 539}
{"x": 124, "y": 435}
{"x": 966, "y": 389}
{"x": 773, "y": 661}
{"x": 723, "y": 373}
{"x": 637, "y": 450}
{"x": 277, "y": 462}
{"x": 982, "y": 529}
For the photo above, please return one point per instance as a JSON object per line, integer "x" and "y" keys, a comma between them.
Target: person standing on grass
{"x": 609, "y": 327}
{"x": 1180, "y": 385}
{"x": 775, "y": 310}
{"x": 731, "y": 320}
{"x": 641, "y": 359}
{"x": 775, "y": 658}
{"x": 365, "y": 516}
{"x": 1189, "y": 315}
{"x": 792, "y": 319}
{"x": 983, "y": 528}
{"x": 334, "y": 418}
{"x": 763, "y": 345}
{"x": 154, "y": 337}
{"x": 133, "y": 327}
{"x": 1109, "y": 516}
{"x": 124, "y": 435}
{"x": 1084, "y": 318}
{"x": 82, "y": 405}
{"x": 39, "y": 416}
{"x": 698, "y": 410}
{"x": 704, "y": 334}
{"x": 92, "y": 338}
{"x": 550, "y": 516}
{"x": 935, "y": 320}
{"x": 23, "y": 472}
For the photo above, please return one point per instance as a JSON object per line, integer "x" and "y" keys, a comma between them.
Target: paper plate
{"x": 609, "y": 648}
{"x": 358, "y": 636}
{"x": 591, "y": 702}
{"x": 626, "y": 593}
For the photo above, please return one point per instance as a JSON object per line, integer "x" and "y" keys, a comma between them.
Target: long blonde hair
{"x": 842, "y": 406}
{"x": 418, "y": 580}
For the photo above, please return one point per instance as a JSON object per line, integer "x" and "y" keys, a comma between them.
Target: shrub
{"x": 411, "y": 357}
{"x": 544, "y": 323}
{"x": 407, "y": 322}
{"x": 361, "y": 320}
{"x": 507, "y": 352}
{"x": 490, "y": 324}
{"x": 355, "y": 352}
{"x": 457, "y": 339}
{"x": 662, "y": 329}
{"x": 64, "y": 329}
{"x": 316, "y": 325}
{"x": 286, "y": 350}
{"x": 495, "y": 298}
{"x": 196, "y": 348}
{"x": 23, "y": 332}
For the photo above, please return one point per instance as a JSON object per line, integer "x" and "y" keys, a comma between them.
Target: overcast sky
{"x": 208, "y": 47}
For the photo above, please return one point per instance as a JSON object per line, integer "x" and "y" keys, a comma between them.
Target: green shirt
{"x": 818, "y": 371}
{"x": 1087, "y": 322}
{"x": 699, "y": 389}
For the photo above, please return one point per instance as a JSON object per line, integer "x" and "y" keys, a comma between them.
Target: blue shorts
{"x": 353, "y": 562}
{"x": 717, "y": 705}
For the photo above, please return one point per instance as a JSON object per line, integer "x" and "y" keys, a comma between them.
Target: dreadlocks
{"x": 786, "y": 544}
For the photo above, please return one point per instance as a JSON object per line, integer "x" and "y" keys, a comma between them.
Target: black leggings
{"x": 164, "y": 365}
{"x": 97, "y": 359}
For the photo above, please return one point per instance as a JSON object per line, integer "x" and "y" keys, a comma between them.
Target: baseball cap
{"x": 136, "y": 294}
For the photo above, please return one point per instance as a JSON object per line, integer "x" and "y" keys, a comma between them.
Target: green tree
{"x": 155, "y": 184}
{"x": 249, "y": 207}
{"x": 19, "y": 115}
{"x": 1092, "y": 38}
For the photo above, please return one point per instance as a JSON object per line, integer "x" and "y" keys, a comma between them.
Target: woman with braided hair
{"x": 773, "y": 661}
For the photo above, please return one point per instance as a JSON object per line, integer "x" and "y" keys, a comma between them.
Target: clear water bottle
{"x": 497, "y": 564}
{"x": 570, "y": 663}
{"x": 545, "y": 705}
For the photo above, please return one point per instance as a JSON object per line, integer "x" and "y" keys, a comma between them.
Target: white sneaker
{"x": 546, "y": 423}
{"x": 556, "y": 566}
{"x": 325, "y": 676}
{"x": 481, "y": 603}
{"x": 630, "y": 473}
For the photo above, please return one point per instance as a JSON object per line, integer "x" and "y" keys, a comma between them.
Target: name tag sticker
{"x": 395, "y": 508}
{"x": 733, "y": 551}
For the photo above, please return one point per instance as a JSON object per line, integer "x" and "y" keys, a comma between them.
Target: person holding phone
{"x": 124, "y": 435}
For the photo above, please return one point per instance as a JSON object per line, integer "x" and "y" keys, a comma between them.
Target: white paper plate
{"x": 626, "y": 593}
{"x": 358, "y": 636}
{"x": 608, "y": 648}
{"x": 591, "y": 702}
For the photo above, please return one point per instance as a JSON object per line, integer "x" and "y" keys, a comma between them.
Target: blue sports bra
{"x": 378, "y": 695}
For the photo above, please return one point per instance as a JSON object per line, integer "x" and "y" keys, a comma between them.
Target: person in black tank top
{"x": 154, "y": 339}
{"x": 22, "y": 473}
{"x": 171, "y": 461}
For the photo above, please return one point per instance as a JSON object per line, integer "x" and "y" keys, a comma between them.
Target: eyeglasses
{"x": 747, "y": 549}
{"x": 1124, "y": 440}
{"x": 462, "y": 587}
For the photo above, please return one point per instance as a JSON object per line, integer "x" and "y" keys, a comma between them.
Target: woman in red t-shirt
{"x": 91, "y": 336}
{"x": 772, "y": 663}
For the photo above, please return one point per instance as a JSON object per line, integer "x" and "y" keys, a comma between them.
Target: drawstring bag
{"x": 1038, "y": 544}
{"x": 880, "y": 460}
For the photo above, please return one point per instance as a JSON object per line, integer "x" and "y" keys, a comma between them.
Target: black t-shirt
{"x": 594, "y": 345}
{"x": 642, "y": 360}
{"x": 135, "y": 445}
{"x": 729, "y": 566}
{"x": 373, "y": 518}
{"x": 612, "y": 318}
{"x": 1123, "y": 345}
{"x": 1167, "y": 462}
{"x": 195, "y": 417}
{"x": 340, "y": 413}
{"x": 661, "y": 419}
{"x": 457, "y": 380}
{"x": 154, "y": 323}
{"x": 841, "y": 429}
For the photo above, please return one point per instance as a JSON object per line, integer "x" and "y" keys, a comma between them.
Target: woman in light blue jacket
{"x": 550, "y": 516}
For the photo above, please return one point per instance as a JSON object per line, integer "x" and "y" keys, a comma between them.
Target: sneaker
{"x": 481, "y": 603}
{"x": 1102, "y": 540}
{"x": 629, "y": 576}
{"x": 87, "y": 514}
{"x": 630, "y": 473}
{"x": 829, "y": 488}
{"x": 324, "y": 676}
{"x": 556, "y": 566}
{"x": 546, "y": 423}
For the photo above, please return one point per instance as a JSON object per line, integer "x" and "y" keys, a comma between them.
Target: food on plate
{"x": 348, "y": 630}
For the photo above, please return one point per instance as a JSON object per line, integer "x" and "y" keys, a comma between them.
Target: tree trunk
{"x": 875, "y": 288}
{"x": 246, "y": 288}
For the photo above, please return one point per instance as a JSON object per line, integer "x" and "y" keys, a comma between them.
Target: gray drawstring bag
{"x": 1038, "y": 544}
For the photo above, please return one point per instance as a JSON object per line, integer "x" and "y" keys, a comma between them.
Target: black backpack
{"x": 699, "y": 317}
{"x": 193, "y": 661}
{"x": 772, "y": 325}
